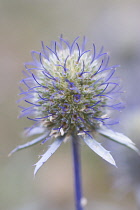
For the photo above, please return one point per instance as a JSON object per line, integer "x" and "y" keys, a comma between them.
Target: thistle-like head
{"x": 71, "y": 91}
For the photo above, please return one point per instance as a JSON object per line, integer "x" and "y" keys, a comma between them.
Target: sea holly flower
{"x": 69, "y": 93}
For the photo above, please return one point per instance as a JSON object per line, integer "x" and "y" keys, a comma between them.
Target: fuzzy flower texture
{"x": 71, "y": 91}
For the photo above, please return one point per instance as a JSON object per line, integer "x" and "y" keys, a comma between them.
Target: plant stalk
{"x": 77, "y": 173}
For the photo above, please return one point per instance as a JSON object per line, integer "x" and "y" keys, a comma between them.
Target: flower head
{"x": 71, "y": 90}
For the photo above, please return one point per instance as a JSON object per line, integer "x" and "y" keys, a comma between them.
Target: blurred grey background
{"x": 23, "y": 24}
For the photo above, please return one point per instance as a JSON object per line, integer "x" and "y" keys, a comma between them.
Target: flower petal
{"x": 53, "y": 147}
{"x": 119, "y": 138}
{"x": 101, "y": 151}
{"x": 28, "y": 144}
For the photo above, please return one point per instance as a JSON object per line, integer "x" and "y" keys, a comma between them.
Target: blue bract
{"x": 71, "y": 90}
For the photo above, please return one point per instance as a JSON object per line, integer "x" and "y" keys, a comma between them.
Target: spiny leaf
{"x": 119, "y": 138}
{"x": 28, "y": 144}
{"x": 101, "y": 151}
{"x": 33, "y": 131}
{"x": 53, "y": 147}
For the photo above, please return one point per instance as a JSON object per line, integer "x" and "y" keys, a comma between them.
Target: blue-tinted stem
{"x": 77, "y": 173}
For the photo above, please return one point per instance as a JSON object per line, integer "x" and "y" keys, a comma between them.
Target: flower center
{"x": 70, "y": 94}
